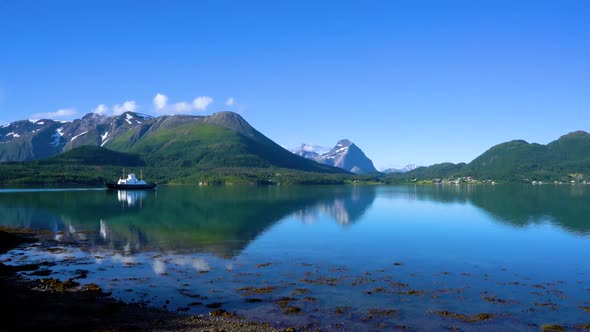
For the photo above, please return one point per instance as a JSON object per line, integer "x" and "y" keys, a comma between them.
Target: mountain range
{"x": 177, "y": 147}
{"x": 344, "y": 154}
{"x": 220, "y": 140}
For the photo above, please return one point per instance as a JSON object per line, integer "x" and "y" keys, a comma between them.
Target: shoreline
{"x": 49, "y": 304}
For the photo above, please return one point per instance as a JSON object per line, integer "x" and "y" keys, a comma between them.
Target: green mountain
{"x": 94, "y": 155}
{"x": 223, "y": 139}
{"x": 565, "y": 159}
{"x": 435, "y": 171}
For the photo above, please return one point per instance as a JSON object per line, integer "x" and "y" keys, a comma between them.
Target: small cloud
{"x": 160, "y": 101}
{"x": 234, "y": 105}
{"x": 181, "y": 107}
{"x": 162, "y": 107}
{"x": 128, "y": 106}
{"x": 201, "y": 103}
{"x": 117, "y": 109}
{"x": 313, "y": 148}
{"x": 59, "y": 114}
{"x": 101, "y": 109}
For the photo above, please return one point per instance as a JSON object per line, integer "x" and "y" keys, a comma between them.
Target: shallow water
{"x": 347, "y": 257}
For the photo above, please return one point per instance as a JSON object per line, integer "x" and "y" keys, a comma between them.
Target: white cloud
{"x": 101, "y": 109}
{"x": 234, "y": 105}
{"x": 160, "y": 101}
{"x": 313, "y": 148}
{"x": 117, "y": 109}
{"x": 201, "y": 103}
{"x": 128, "y": 106}
{"x": 181, "y": 107}
{"x": 162, "y": 107}
{"x": 59, "y": 114}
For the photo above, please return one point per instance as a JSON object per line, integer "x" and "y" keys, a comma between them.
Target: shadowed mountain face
{"x": 219, "y": 220}
{"x": 220, "y": 140}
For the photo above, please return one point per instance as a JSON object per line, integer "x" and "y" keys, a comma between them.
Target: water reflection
{"x": 565, "y": 206}
{"x": 218, "y": 220}
{"x": 131, "y": 197}
{"x": 345, "y": 209}
{"x": 224, "y": 220}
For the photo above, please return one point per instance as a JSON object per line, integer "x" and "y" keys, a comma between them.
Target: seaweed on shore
{"x": 249, "y": 291}
{"x": 467, "y": 319}
{"x": 553, "y": 328}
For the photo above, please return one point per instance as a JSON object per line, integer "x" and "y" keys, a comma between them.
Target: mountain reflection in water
{"x": 219, "y": 220}
{"x": 224, "y": 220}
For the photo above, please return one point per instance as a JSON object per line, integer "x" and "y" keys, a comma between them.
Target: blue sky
{"x": 408, "y": 81}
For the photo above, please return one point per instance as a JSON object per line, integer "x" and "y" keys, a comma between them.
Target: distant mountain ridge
{"x": 36, "y": 139}
{"x": 407, "y": 168}
{"x": 223, "y": 139}
{"x": 565, "y": 159}
{"x": 345, "y": 155}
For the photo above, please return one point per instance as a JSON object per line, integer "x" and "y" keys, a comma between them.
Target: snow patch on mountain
{"x": 73, "y": 138}
{"x": 56, "y": 138}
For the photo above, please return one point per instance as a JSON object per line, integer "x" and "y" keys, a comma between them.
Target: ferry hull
{"x": 130, "y": 186}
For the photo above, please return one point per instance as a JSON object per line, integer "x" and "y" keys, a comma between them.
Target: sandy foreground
{"x": 53, "y": 305}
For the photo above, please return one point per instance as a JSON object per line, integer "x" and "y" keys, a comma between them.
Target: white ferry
{"x": 130, "y": 182}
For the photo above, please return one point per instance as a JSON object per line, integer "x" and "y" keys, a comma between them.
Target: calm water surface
{"x": 346, "y": 257}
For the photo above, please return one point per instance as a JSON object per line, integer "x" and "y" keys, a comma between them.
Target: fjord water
{"x": 347, "y": 257}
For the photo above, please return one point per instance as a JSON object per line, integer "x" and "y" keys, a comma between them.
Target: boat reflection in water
{"x": 131, "y": 197}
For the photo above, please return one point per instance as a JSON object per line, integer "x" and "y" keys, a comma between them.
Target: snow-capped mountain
{"x": 407, "y": 168}
{"x": 35, "y": 139}
{"x": 345, "y": 155}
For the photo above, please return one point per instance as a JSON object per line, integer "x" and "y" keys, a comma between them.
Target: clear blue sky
{"x": 408, "y": 81}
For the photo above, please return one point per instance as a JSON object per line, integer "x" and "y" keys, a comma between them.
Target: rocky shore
{"x": 52, "y": 305}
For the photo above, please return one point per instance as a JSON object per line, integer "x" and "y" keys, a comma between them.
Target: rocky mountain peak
{"x": 345, "y": 154}
{"x": 344, "y": 143}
